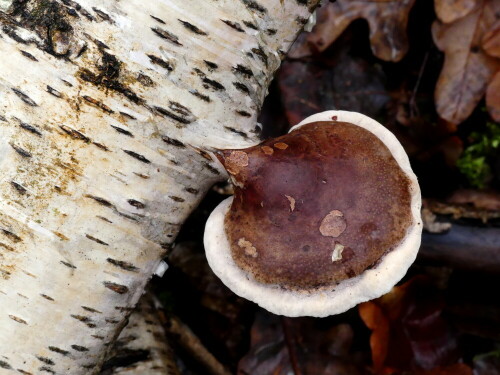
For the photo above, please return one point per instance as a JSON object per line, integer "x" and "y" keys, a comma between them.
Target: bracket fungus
{"x": 323, "y": 218}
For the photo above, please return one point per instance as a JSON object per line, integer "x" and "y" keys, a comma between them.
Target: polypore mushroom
{"x": 322, "y": 218}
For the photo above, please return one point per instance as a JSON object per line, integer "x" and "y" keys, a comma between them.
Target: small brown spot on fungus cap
{"x": 353, "y": 230}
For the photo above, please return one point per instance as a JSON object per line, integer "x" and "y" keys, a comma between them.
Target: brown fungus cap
{"x": 318, "y": 209}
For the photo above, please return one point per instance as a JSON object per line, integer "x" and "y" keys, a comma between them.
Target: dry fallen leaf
{"x": 387, "y": 20}
{"x": 451, "y": 10}
{"x": 491, "y": 40}
{"x": 467, "y": 69}
{"x": 408, "y": 330}
{"x": 493, "y": 97}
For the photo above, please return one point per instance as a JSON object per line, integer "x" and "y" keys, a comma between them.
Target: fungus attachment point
{"x": 322, "y": 218}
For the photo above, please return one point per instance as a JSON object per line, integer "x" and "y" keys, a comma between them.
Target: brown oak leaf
{"x": 493, "y": 97}
{"x": 387, "y": 20}
{"x": 491, "y": 40}
{"x": 467, "y": 68}
{"x": 451, "y": 10}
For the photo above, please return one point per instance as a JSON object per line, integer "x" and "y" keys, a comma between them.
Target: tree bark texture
{"x": 108, "y": 112}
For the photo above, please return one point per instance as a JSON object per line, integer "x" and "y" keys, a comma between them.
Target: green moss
{"x": 475, "y": 161}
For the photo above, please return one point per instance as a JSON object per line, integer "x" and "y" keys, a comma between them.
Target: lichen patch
{"x": 235, "y": 161}
{"x": 333, "y": 224}
{"x": 250, "y": 250}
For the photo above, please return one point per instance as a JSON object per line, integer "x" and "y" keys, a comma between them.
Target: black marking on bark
{"x": 164, "y": 34}
{"x": 66, "y": 83}
{"x": 253, "y": 5}
{"x": 192, "y": 190}
{"x": 129, "y": 116}
{"x": 14, "y": 237}
{"x": 244, "y": 135}
{"x": 122, "y": 131}
{"x": 173, "y": 142}
{"x": 11, "y": 32}
{"x": 54, "y": 92}
{"x": 55, "y": 349}
{"x": 104, "y": 219}
{"x": 25, "y": 98}
{"x": 109, "y": 77}
{"x": 24, "y": 372}
{"x": 100, "y": 200}
{"x": 126, "y": 358}
{"x": 199, "y": 95}
{"x": 47, "y": 297}
{"x": 117, "y": 288}
{"x": 90, "y": 309}
{"x": 67, "y": 264}
{"x": 271, "y": 31}
{"x": 17, "y": 319}
{"x": 157, "y": 19}
{"x": 211, "y": 65}
{"x": 243, "y": 113}
{"x": 3, "y": 119}
{"x": 98, "y": 104}
{"x": 210, "y": 83}
{"x": 250, "y": 25}
{"x": 98, "y": 337}
{"x": 5, "y": 365}
{"x": 29, "y": 56}
{"x": 234, "y": 25}
{"x": 243, "y": 70}
{"x": 111, "y": 321}
{"x": 141, "y": 175}
{"x": 261, "y": 54}
{"x": 177, "y": 112}
{"x": 46, "y": 369}
{"x": 80, "y": 348}
{"x": 136, "y": 204}
{"x": 75, "y": 133}
{"x": 241, "y": 87}
{"x": 20, "y": 188}
{"x": 137, "y": 156}
{"x": 81, "y": 318}
{"x": 20, "y": 151}
{"x": 7, "y": 247}
{"x": 101, "y": 146}
{"x": 128, "y": 216}
{"x": 73, "y": 13}
{"x": 30, "y": 128}
{"x": 199, "y": 73}
{"x": 160, "y": 62}
{"x": 102, "y": 15}
{"x": 96, "y": 240}
{"x": 211, "y": 169}
{"x": 45, "y": 360}
{"x": 123, "y": 265}
{"x": 192, "y": 28}
{"x": 145, "y": 80}
{"x": 302, "y": 2}
{"x": 177, "y": 199}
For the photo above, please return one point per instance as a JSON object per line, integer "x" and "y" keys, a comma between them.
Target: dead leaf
{"x": 456, "y": 369}
{"x": 493, "y": 97}
{"x": 349, "y": 83}
{"x": 488, "y": 200}
{"x": 408, "y": 331}
{"x": 491, "y": 40}
{"x": 451, "y": 10}
{"x": 301, "y": 346}
{"x": 387, "y": 20}
{"x": 467, "y": 69}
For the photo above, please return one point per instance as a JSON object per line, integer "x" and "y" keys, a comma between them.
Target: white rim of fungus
{"x": 370, "y": 284}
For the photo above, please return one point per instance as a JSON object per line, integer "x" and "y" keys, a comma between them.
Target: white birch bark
{"x": 107, "y": 109}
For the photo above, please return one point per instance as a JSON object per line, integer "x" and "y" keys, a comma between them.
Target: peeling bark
{"x": 107, "y": 112}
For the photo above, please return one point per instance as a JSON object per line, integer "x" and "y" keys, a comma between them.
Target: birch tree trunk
{"x": 107, "y": 111}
